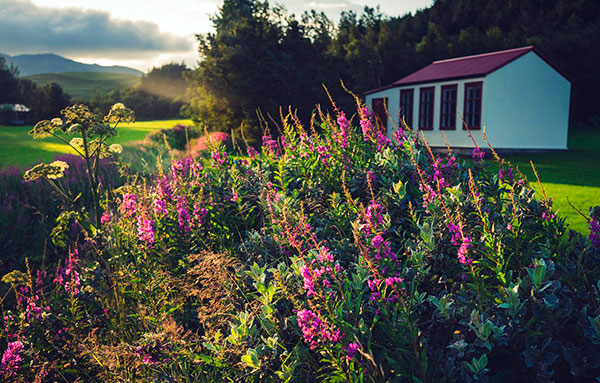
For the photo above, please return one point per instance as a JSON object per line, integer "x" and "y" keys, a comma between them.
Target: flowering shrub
{"x": 338, "y": 256}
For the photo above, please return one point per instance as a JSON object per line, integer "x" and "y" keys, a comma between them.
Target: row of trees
{"x": 159, "y": 95}
{"x": 44, "y": 101}
{"x": 260, "y": 58}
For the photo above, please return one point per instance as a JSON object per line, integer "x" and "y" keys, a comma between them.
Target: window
{"x": 379, "y": 106}
{"x": 426, "y": 108}
{"x": 406, "y": 106}
{"x": 473, "y": 105}
{"x": 448, "y": 108}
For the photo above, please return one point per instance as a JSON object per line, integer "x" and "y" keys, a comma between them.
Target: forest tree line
{"x": 259, "y": 57}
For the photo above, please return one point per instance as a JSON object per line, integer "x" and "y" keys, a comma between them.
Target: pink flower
{"x": 146, "y": 231}
{"x": 218, "y": 157}
{"x": 351, "y": 350}
{"x": 11, "y": 360}
{"x": 160, "y": 207}
{"x": 68, "y": 276}
{"x": 377, "y": 241}
{"x": 105, "y": 217}
{"x": 129, "y": 205}
{"x": 315, "y": 331}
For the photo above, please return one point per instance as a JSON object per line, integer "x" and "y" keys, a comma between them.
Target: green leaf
{"x": 251, "y": 359}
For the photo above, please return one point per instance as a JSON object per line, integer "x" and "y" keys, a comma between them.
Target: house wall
{"x": 526, "y": 105}
{"x": 457, "y": 137}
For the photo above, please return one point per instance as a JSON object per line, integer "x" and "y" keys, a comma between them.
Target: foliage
{"x": 340, "y": 256}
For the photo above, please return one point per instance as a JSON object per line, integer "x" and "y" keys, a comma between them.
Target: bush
{"x": 343, "y": 256}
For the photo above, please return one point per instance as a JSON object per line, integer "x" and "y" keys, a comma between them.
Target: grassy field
{"x": 83, "y": 84}
{"x": 574, "y": 174}
{"x": 20, "y": 149}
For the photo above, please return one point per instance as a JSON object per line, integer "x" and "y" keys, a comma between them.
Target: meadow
{"x": 81, "y": 85}
{"x": 17, "y": 148}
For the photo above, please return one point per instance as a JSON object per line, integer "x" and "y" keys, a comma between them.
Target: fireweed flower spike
{"x": 11, "y": 360}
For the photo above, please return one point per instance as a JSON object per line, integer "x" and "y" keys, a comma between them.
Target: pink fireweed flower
{"x": 344, "y": 130}
{"x": 129, "y": 205}
{"x": 429, "y": 195}
{"x": 459, "y": 238}
{"x": 270, "y": 144}
{"x": 400, "y": 135}
{"x": 371, "y": 177}
{"x": 252, "y": 153}
{"x": 325, "y": 255}
{"x": 548, "y": 216}
{"x": 68, "y": 276}
{"x": 351, "y": 349}
{"x": 164, "y": 189}
{"x": 377, "y": 241}
{"x": 199, "y": 214}
{"x": 234, "y": 195}
{"x": 478, "y": 154}
{"x": 309, "y": 282}
{"x": 218, "y": 157}
{"x": 374, "y": 216}
{"x": 183, "y": 215}
{"x": 324, "y": 154}
{"x": 146, "y": 231}
{"x": 391, "y": 281}
{"x": 315, "y": 331}
{"x": 105, "y": 217}
{"x": 160, "y": 207}
{"x": 11, "y": 360}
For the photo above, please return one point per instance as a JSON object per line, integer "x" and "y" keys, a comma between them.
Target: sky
{"x": 137, "y": 33}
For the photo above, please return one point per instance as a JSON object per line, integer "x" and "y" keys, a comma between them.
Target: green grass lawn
{"x": 574, "y": 174}
{"x": 83, "y": 84}
{"x": 20, "y": 149}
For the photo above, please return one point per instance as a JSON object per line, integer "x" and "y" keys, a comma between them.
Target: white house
{"x": 520, "y": 97}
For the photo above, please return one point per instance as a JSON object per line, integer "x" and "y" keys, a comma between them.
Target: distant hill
{"x": 83, "y": 84}
{"x": 51, "y": 63}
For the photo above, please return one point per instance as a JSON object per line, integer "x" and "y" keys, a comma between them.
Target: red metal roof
{"x": 464, "y": 67}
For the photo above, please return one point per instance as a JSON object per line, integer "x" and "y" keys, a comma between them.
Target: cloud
{"x": 27, "y": 28}
{"x": 323, "y": 6}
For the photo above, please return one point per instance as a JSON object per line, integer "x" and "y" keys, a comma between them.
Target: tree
{"x": 9, "y": 84}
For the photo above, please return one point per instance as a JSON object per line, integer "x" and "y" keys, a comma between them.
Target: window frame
{"x": 453, "y": 108}
{"x": 465, "y": 114}
{"x": 410, "y": 92}
{"x": 421, "y": 113}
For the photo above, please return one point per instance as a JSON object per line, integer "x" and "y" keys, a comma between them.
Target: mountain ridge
{"x": 32, "y": 64}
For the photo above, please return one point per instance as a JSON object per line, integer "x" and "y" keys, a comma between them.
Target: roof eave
{"x": 477, "y": 75}
{"x": 378, "y": 89}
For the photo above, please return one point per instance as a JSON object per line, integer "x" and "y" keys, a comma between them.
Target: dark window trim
{"x": 467, "y": 85}
{"x": 453, "y": 109}
{"x": 409, "y": 121}
{"x": 421, "y": 91}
